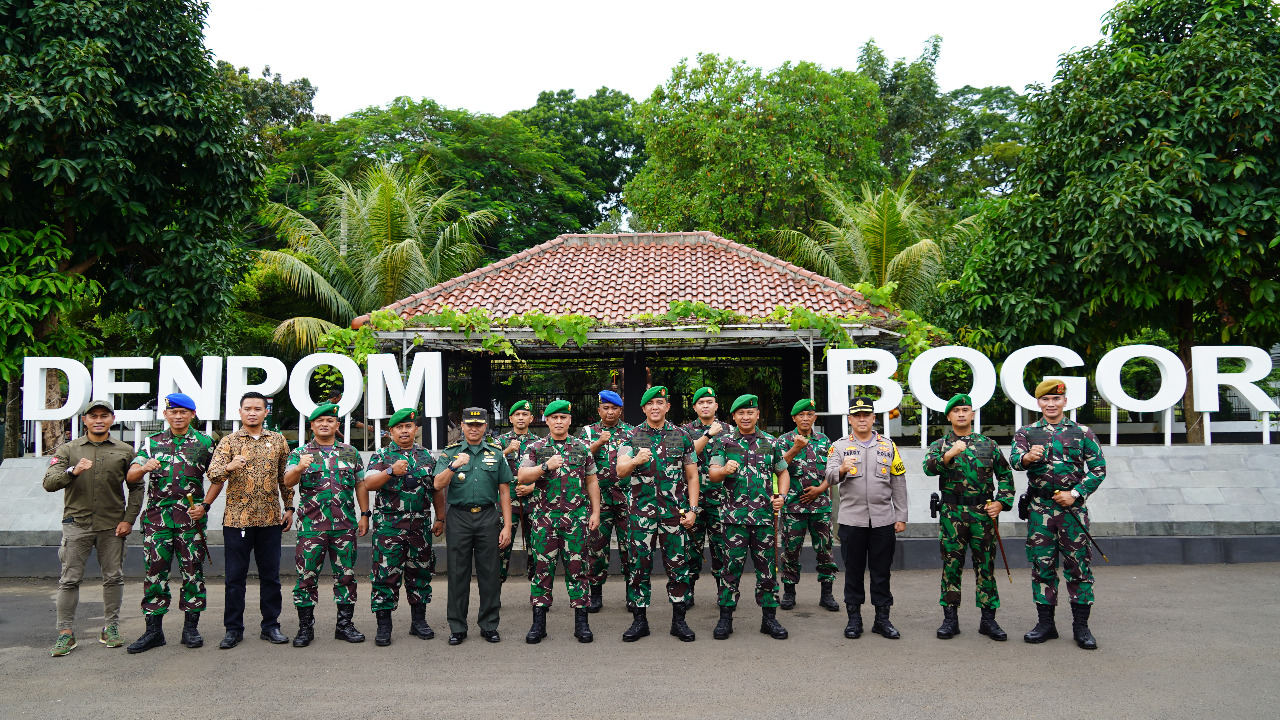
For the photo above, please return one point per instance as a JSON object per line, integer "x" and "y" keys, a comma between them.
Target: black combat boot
{"x": 383, "y": 637}
{"x": 769, "y": 624}
{"x": 191, "y": 631}
{"x": 950, "y": 626}
{"x": 788, "y": 596}
{"x": 581, "y": 628}
{"x": 306, "y": 626}
{"x": 639, "y": 625}
{"x": 679, "y": 627}
{"x": 853, "y": 630}
{"x": 596, "y": 600}
{"x": 345, "y": 629}
{"x": 152, "y": 638}
{"x": 538, "y": 629}
{"x": 1080, "y": 626}
{"x": 828, "y": 600}
{"x": 989, "y": 627}
{"x": 418, "y": 622}
{"x": 882, "y": 626}
{"x": 724, "y": 628}
{"x": 1045, "y": 629}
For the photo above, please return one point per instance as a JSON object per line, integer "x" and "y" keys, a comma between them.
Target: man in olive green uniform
{"x": 92, "y": 471}
{"x": 965, "y": 463}
{"x": 327, "y": 473}
{"x": 1064, "y": 467}
{"x": 173, "y": 524}
{"x": 745, "y": 461}
{"x": 513, "y": 446}
{"x": 808, "y": 505}
{"x": 477, "y": 478}
{"x": 604, "y": 438}
{"x": 707, "y": 530}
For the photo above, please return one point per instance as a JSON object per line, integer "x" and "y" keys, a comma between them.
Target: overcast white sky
{"x": 493, "y": 57}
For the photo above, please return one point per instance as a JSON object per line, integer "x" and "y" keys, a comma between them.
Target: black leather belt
{"x": 1045, "y": 493}
{"x": 472, "y": 508}
{"x": 966, "y": 500}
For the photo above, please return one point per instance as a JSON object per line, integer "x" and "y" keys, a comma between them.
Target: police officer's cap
{"x": 861, "y": 404}
{"x": 475, "y": 415}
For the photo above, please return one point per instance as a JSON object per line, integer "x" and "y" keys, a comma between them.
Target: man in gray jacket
{"x": 873, "y": 509}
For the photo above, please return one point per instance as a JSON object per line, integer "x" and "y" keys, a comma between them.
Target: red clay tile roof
{"x": 613, "y": 277}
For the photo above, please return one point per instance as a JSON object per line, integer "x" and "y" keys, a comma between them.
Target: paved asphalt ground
{"x": 1176, "y": 641}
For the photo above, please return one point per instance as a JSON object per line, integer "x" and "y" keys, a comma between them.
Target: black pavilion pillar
{"x": 634, "y": 382}
{"x": 442, "y": 426}
{"x": 793, "y": 375}
{"x": 482, "y": 382}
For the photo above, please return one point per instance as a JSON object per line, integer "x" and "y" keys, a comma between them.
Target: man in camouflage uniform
{"x": 1064, "y": 466}
{"x": 173, "y": 525}
{"x": 564, "y": 472}
{"x": 808, "y": 505}
{"x": 965, "y": 463}
{"x": 514, "y": 444}
{"x": 745, "y": 461}
{"x": 326, "y": 472}
{"x": 403, "y": 475}
{"x": 658, "y": 457}
{"x": 604, "y": 438}
{"x": 707, "y": 529}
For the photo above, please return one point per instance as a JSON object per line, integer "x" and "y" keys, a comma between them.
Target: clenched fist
{"x": 849, "y": 465}
{"x": 84, "y": 464}
{"x": 555, "y": 461}
{"x": 400, "y": 467}
{"x": 151, "y": 465}
{"x": 715, "y": 428}
{"x": 644, "y": 456}
{"x": 513, "y": 446}
{"x": 731, "y": 467}
{"x": 801, "y": 442}
{"x": 237, "y": 462}
{"x": 304, "y": 462}
{"x": 1035, "y": 454}
{"x": 605, "y": 436}
{"x": 460, "y": 461}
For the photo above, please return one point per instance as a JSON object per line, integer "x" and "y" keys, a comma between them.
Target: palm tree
{"x": 386, "y": 236}
{"x": 877, "y": 238}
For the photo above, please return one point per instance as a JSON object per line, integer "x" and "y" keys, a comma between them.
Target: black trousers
{"x": 863, "y": 548}
{"x": 472, "y": 537}
{"x": 264, "y": 544}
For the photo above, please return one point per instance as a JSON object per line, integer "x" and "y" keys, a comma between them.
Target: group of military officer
{"x": 733, "y": 487}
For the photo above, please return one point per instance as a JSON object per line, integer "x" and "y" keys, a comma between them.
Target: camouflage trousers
{"x": 1051, "y": 535}
{"x": 643, "y": 534}
{"x": 794, "y": 529}
{"x": 759, "y": 540}
{"x": 564, "y": 540}
{"x": 401, "y": 556}
{"x": 613, "y": 522}
{"x": 967, "y": 527}
{"x": 520, "y": 521}
{"x": 313, "y": 546}
{"x": 707, "y": 531}
{"x": 160, "y": 545}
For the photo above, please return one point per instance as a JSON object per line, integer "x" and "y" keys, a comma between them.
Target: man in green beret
{"x": 966, "y": 462}
{"x": 808, "y": 505}
{"x": 604, "y": 438}
{"x": 564, "y": 511}
{"x": 326, "y": 472}
{"x": 514, "y": 444}
{"x": 403, "y": 476}
{"x": 1064, "y": 466}
{"x": 658, "y": 457}
{"x": 707, "y": 529}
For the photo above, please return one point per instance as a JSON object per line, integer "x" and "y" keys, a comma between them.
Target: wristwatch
{"x": 1075, "y": 493}
{"x": 206, "y": 505}
{"x": 544, "y": 467}
{"x": 696, "y": 509}
{"x": 366, "y": 513}
{"x": 289, "y": 509}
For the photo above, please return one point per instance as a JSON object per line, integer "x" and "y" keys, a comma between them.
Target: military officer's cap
{"x": 960, "y": 399}
{"x": 703, "y": 392}
{"x": 520, "y": 405}
{"x": 402, "y": 416}
{"x": 179, "y": 400}
{"x": 475, "y": 415}
{"x": 744, "y": 401}
{"x": 657, "y": 391}
{"x": 558, "y": 406}
{"x": 105, "y": 405}
{"x": 1050, "y": 387}
{"x": 609, "y": 396}
{"x": 861, "y": 404}
{"x": 802, "y": 405}
{"x": 325, "y": 410}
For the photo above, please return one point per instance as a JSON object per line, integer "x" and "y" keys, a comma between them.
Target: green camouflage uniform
{"x": 519, "y": 516}
{"x": 613, "y": 501}
{"x": 747, "y": 511}
{"x": 327, "y": 521}
{"x": 167, "y": 529}
{"x": 559, "y": 512}
{"x": 708, "y": 529}
{"x": 402, "y": 549}
{"x": 807, "y": 469}
{"x": 1072, "y": 461}
{"x": 659, "y": 495}
{"x": 966, "y": 486}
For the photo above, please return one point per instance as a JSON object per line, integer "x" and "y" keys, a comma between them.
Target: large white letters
{"x": 1206, "y": 378}
{"x": 1015, "y": 367}
{"x": 384, "y": 379}
{"x": 79, "y": 384}
{"x": 300, "y": 382}
{"x": 1173, "y": 380}
{"x": 839, "y": 379}
{"x": 106, "y": 386}
{"x": 984, "y": 375}
{"x": 175, "y": 376}
{"x": 238, "y": 367}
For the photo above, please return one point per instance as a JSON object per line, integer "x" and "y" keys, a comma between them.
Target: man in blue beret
{"x": 603, "y": 439}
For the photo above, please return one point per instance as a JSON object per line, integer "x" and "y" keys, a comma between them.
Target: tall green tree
{"x": 1147, "y": 195}
{"x": 270, "y": 104}
{"x": 386, "y": 236}
{"x": 915, "y": 111}
{"x": 741, "y": 152}
{"x": 975, "y": 155}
